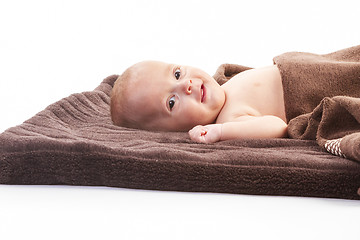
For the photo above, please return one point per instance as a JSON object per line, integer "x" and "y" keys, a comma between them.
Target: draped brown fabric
{"x": 322, "y": 101}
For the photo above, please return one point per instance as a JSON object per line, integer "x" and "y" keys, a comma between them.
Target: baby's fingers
{"x": 198, "y": 133}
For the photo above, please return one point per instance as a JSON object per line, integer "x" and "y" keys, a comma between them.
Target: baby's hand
{"x": 206, "y": 134}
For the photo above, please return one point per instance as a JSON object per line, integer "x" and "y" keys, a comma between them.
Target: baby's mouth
{"x": 203, "y": 92}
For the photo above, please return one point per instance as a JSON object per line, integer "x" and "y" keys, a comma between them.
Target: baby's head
{"x": 154, "y": 95}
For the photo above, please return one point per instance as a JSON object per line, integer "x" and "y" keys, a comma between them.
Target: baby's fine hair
{"x": 120, "y": 113}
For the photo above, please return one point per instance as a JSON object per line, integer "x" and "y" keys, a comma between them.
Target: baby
{"x": 154, "y": 95}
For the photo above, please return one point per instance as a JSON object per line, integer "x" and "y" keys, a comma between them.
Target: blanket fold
{"x": 322, "y": 98}
{"x": 334, "y": 124}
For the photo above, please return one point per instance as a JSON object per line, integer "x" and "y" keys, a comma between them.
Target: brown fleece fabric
{"x": 73, "y": 142}
{"x": 227, "y": 71}
{"x": 322, "y": 103}
{"x": 308, "y": 78}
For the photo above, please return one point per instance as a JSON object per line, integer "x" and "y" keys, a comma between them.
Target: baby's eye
{"x": 177, "y": 73}
{"x": 171, "y": 102}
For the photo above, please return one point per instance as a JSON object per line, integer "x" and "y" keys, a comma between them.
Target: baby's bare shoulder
{"x": 254, "y": 92}
{"x": 262, "y": 72}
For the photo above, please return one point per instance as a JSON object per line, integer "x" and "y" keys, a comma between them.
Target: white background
{"x": 50, "y": 49}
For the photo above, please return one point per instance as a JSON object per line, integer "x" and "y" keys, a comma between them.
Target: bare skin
{"x": 181, "y": 98}
{"x": 254, "y": 108}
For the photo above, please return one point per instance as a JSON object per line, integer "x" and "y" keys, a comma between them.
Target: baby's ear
{"x": 227, "y": 71}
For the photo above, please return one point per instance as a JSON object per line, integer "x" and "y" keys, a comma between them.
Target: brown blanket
{"x": 322, "y": 98}
{"x": 74, "y": 142}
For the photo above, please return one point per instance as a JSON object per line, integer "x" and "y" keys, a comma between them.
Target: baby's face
{"x": 174, "y": 98}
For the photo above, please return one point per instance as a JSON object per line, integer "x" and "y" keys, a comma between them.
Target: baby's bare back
{"x": 255, "y": 92}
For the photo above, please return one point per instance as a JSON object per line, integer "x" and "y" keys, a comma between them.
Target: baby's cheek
{"x": 193, "y": 112}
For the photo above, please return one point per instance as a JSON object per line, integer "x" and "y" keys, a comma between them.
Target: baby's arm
{"x": 244, "y": 127}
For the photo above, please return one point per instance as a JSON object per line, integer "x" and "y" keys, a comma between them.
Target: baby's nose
{"x": 187, "y": 86}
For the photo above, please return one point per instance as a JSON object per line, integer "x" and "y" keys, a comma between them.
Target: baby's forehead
{"x": 150, "y": 71}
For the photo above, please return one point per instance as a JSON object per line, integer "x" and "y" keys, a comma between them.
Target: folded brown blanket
{"x": 322, "y": 101}
{"x": 74, "y": 142}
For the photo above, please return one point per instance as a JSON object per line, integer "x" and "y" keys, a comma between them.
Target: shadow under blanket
{"x": 73, "y": 142}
